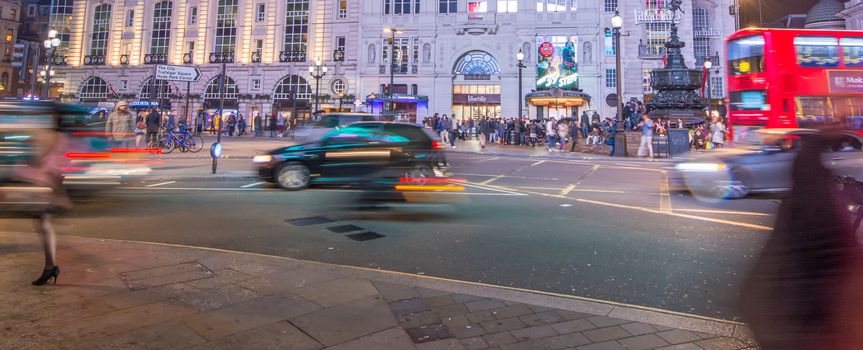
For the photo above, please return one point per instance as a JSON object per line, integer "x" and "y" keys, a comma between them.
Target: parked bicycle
{"x": 183, "y": 140}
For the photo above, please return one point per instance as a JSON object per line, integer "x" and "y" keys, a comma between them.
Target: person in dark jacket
{"x": 585, "y": 124}
{"x": 154, "y": 124}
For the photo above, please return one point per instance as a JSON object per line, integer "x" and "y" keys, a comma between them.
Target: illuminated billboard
{"x": 557, "y": 65}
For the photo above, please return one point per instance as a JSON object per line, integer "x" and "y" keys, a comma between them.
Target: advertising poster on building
{"x": 557, "y": 64}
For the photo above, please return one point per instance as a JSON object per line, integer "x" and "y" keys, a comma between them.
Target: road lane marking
{"x": 252, "y": 184}
{"x": 664, "y": 194}
{"x": 487, "y": 160}
{"x": 538, "y": 163}
{"x": 507, "y": 176}
{"x": 567, "y": 189}
{"x": 493, "y": 188}
{"x": 597, "y": 191}
{"x": 721, "y": 221}
{"x": 228, "y": 189}
{"x": 162, "y": 184}
{"x": 731, "y": 212}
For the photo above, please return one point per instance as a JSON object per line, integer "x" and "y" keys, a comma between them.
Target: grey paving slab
{"x": 481, "y": 305}
{"x": 503, "y": 325}
{"x": 609, "y": 345}
{"x": 601, "y": 321}
{"x": 513, "y": 311}
{"x": 338, "y": 291}
{"x": 530, "y": 333}
{"x": 566, "y": 341}
{"x": 409, "y": 306}
{"x": 482, "y": 316}
{"x": 464, "y": 298}
{"x": 607, "y": 333}
{"x": 164, "y": 275}
{"x": 445, "y": 344}
{"x": 455, "y": 320}
{"x": 159, "y": 336}
{"x": 677, "y": 336}
{"x": 125, "y": 299}
{"x": 474, "y": 343}
{"x": 127, "y": 319}
{"x": 426, "y": 292}
{"x": 347, "y": 321}
{"x": 393, "y": 338}
{"x": 218, "y": 297}
{"x": 685, "y": 346}
{"x": 573, "y": 315}
{"x": 290, "y": 279}
{"x": 499, "y": 339}
{"x": 721, "y": 343}
{"x": 541, "y": 318}
{"x": 573, "y": 326}
{"x": 643, "y": 342}
{"x": 221, "y": 278}
{"x": 450, "y": 310}
{"x": 466, "y": 331}
{"x": 394, "y": 292}
{"x": 249, "y": 314}
{"x": 419, "y": 319}
{"x": 279, "y": 335}
{"x": 440, "y": 300}
{"x": 528, "y": 345}
{"x": 428, "y": 333}
{"x": 637, "y": 328}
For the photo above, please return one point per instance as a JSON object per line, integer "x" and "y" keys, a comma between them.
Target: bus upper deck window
{"x": 817, "y": 51}
{"x": 746, "y": 55}
{"x": 852, "y": 50}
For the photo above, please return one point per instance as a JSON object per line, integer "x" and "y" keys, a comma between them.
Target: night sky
{"x": 771, "y": 10}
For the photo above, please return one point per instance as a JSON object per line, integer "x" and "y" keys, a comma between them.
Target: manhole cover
{"x": 344, "y": 228}
{"x": 365, "y": 236}
{"x": 309, "y": 221}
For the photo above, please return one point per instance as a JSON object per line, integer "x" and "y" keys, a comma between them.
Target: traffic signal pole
{"x": 36, "y": 55}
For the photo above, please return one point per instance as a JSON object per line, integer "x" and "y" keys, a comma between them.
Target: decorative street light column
{"x": 51, "y": 44}
{"x": 620, "y": 133}
{"x": 392, "y": 41}
{"x": 318, "y": 71}
{"x": 707, "y": 65}
{"x": 224, "y": 58}
{"x": 520, "y": 57}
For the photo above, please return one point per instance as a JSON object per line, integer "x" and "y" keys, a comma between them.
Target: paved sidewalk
{"x": 129, "y": 295}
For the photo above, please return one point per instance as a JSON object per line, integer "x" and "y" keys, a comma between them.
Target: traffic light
{"x": 19, "y": 59}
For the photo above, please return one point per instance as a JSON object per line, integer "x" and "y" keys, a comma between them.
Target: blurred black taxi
{"x": 357, "y": 154}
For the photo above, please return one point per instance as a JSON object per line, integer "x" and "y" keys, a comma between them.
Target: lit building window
{"x": 507, "y": 6}
{"x": 343, "y": 9}
{"x": 717, "y": 89}
{"x": 193, "y": 15}
{"x": 226, "y": 26}
{"x": 101, "y": 28}
{"x": 556, "y": 5}
{"x": 94, "y": 88}
{"x": 646, "y": 86}
{"x": 212, "y": 90}
{"x": 610, "y": 77}
{"x": 447, "y": 6}
{"x": 130, "y": 18}
{"x": 401, "y": 48}
{"x": 261, "y": 13}
{"x": 10, "y": 35}
{"x": 340, "y": 43}
{"x": 477, "y": 6}
{"x": 292, "y": 83}
{"x": 161, "y": 34}
{"x": 401, "y": 7}
{"x": 61, "y": 20}
{"x": 296, "y": 26}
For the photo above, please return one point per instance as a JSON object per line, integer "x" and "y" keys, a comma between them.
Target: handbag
{"x": 140, "y": 124}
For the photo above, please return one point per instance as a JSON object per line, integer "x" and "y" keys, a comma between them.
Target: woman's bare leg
{"x": 49, "y": 240}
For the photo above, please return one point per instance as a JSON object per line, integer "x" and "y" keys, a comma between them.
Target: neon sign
{"x": 557, "y": 66}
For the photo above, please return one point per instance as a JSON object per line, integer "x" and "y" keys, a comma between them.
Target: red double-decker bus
{"x": 794, "y": 78}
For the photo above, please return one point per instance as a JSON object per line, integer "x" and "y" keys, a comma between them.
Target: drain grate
{"x": 344, "y": 228}
{"x": 309, "y": 221}
{"x": 365, "y": 236}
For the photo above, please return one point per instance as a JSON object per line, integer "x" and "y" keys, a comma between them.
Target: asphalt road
{"x": 604, "y": 230}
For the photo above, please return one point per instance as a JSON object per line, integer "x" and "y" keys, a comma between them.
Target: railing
{"x": 222, "y": 57}
{"x": 124, "y": 59}
{"x": 155, "y": 58}
{"x": 94, "y": 60}
{"x": 256, "y": 57}
{"x": 650, "y": 52}
{"x": 292, "y": 56}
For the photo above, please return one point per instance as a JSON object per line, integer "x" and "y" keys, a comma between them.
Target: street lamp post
{"x": 392, "y": 42}
{"x": 707, "y": 65}
{"x": 341, "y": 98}
{"x": 222, "y": 57}
{"x": 520, "y": 57}
{"x": 620, "y": 133}
{"x": 318, "y": 71}
{"x": 51, "y": 44}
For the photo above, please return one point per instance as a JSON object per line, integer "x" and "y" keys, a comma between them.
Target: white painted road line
{"x": 700, "y": 218}
{"x": 538, "y": 163}
{"x": 732, "y": 212}
{"x": 162, "y": 184}
{"x": 489, "y": 188}
{"x": 252, "y": 184}
{"x": 664, "y": 194}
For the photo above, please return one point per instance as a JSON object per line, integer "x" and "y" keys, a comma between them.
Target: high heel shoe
{"x": 48, "y": 276}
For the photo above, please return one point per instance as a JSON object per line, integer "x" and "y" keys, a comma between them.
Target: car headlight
{"x": 262, "y": 159}
{"x": 702, "y": 167}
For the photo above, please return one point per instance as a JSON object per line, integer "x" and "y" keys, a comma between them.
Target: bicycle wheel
{"x": 168, "y": 145}
{"x": 196, "y": 144}
{"x": 183, "y": 143}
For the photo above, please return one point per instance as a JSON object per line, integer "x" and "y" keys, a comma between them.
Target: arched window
{"x": 226, "y": 26}
{"x": 101, "y": 28}
{"x": 162, "y": 89}
{"x": 294, "y": 83}
{"x": 94, "y": 88}
{"x": 161, "y": 34}
{"x": 477, "y": 63}
{"x": 212, "y": 91}
{"x": 296, "y": 26}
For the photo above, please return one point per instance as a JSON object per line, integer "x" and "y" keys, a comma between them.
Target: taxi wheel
{"x": 293, "y": 176}
{"x": 737, "y": 188}
{"x": 420, "y": 171}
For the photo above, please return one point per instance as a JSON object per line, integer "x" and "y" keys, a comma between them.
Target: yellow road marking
{"x": 567, "y": 189}
{"x": 721, "y": 221}
{"x": 732, "y": 212}
{"x": 664, "y": 195}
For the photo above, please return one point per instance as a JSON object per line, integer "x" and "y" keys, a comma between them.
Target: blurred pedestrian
{"x": 718, "y": 131}
{"x": 120, "y": 126}
{"x": 241, "y": 123}
{"x": 805, "y": 290}
{"x": 154, "y": 124}
{"x": 46, "y": 171}
{"x": 140, "y": 128}
{"x": 646, "y": 145}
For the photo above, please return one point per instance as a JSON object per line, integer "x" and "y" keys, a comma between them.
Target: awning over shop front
{"x": 557, "y": 98}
